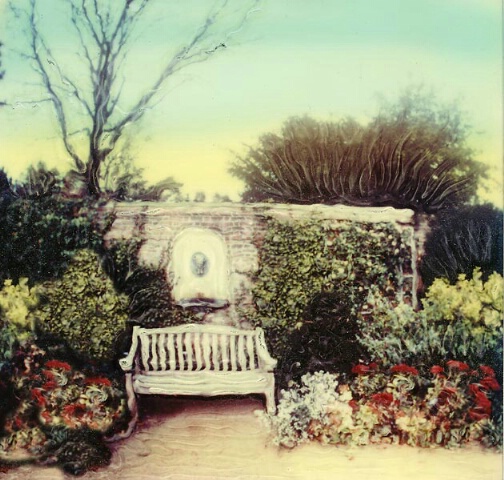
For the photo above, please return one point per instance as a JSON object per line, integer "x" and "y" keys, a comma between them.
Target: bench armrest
{"x": 126, "y": 363}
{"x": 267, "y": 361}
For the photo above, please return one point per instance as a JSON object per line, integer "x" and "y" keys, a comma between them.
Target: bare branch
{"x": 38, "y": 45}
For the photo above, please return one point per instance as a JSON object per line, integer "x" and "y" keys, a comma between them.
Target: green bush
{"x": 17, "y": 303}
{"x": 40, "y": 235}
{"x": 461, "y": 321}
{"x": 83, "y": 308}
{"x": 300, "y": 260}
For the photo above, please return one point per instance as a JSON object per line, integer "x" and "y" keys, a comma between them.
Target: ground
{"x": 184, "y": 439}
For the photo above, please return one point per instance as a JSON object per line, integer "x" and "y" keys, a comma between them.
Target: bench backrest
{"x": 200, "y": 347}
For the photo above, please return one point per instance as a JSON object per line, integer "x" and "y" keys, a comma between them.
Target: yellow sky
{"x": 324, "y": 58}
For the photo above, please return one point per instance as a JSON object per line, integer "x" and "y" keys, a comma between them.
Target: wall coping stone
{"x": 279, "y": 211}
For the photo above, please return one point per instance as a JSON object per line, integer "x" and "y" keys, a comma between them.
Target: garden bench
{"x": 201, "y": 360}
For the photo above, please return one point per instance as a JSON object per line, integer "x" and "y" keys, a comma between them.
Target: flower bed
{"x": 59, "y": 408}
{"x": 448, "y": 408}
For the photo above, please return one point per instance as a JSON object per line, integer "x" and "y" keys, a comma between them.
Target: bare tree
{"x": 104, "y": 31}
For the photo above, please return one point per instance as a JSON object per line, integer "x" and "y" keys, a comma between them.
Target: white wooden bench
{"x": 194, "y": 359}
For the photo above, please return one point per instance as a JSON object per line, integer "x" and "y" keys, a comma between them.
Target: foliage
{"x": 62, "y": 413}
{"x": 450, "y": 407}
{"x": 411, "y": 155}
{"x": 461, "y": 240}
{"x": 83, "y": 309}
{"x": 303, "y": 409}
{"x": 463, "y": 320}
{"x": 39, "y": 235}
{"x": 38, "y": 182}
{"x": 17, "y": 302}
{"x": 300, "y": 260}
{"x": 327, "y": 340}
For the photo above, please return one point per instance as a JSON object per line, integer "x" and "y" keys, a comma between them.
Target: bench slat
{"x": 224, "y": 339}
{"x": 251, "y": 353}
{"x": 180, "y": 350}
{"x": 172, "y": 359}
{"x": 242, "y": 359}
{"x": 205, "y": 341}
{"x": 188, "y": 350}
{"x": 197, "y": 351}
{"x": 215, "y": 352}
{"x": 145, "y": 347}
{"x": 232, "y": 352}
{"x": 162, "y": 351}
{"x": 154, "y": 357}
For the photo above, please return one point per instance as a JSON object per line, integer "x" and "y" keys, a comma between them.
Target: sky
{"x": 324, "y": 58}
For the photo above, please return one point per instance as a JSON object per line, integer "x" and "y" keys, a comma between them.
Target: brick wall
{"x": 241, "y": 227}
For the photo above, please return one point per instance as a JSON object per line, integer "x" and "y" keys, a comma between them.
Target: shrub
{"x": 460, "y": 241}
{"x": 40, "y": 235}
{"x": 326, "y": 340}
{"x": 84, "y": 310}
{"x": 300, "y": 260}
{"x": 462, "y": 320}
{"x": 17, "y": 303}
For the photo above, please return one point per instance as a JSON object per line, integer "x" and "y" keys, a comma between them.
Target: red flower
{"x": 48, "y": 374}
{"x": 483, "y": 403}
{"x": 50, "y": 385}
{"x": 353, "y": 403}
{"x": 74, "y": 409}
{"x": 36, "y": 394}
{"x": 45, "y": 415}
{"x": 58, "y": 364}
{"x": 436, "y": 370}
{"x": 456, "y": 365}
{"x": 487, "y": 371}
{"x": 384, "y": 399}
{"x": 475, "y": 415}
{"x": 98, "y": 381}
{"x": 474, "y": 388}
{"x": 490, "y": 383}
{"x": 373, "y": 366}
{"x": 403, "y": 368}
{"x": 360, "y": 369}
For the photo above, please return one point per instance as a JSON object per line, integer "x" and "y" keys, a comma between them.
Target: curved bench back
{"x": 200, "y": 347}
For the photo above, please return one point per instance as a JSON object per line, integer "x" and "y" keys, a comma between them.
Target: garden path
{"x": 183, "y": 439}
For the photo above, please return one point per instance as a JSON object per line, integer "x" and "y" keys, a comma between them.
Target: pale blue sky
{"x": 325, "y": 58}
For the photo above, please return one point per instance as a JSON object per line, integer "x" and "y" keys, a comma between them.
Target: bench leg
{"x": 132, "y": 407}
{"x": 270, "y": 401}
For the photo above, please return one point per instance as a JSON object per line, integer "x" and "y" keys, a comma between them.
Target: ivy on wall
{"x": 301, "y": 259}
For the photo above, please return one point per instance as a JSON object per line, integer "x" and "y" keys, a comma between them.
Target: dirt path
{"x": 222, "y": 438}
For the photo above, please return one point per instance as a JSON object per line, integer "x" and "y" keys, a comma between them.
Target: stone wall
{"x": 242, "y": 228}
